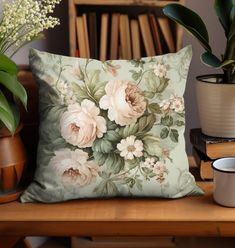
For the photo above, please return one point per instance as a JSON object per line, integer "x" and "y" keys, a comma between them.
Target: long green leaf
{"x": 231, "y": 31}
{"x": 230, "y": 50}
{"x": 7, "y": 65}
{"x": 223, "y": 9}
{"x": 190, "y": 20}
{"x": 6, "y": 114}
{"x": 211, "y": 60}
{"x": 11, "y": 83}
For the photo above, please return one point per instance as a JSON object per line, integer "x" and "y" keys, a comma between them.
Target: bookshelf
{"x": 129, "y": 11}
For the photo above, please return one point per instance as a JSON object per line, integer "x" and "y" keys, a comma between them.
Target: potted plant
{"x": 21, "y": 22}
{"x": 215, "y": 93}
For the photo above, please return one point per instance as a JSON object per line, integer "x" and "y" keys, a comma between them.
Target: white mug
{"x": 224, "y": 181}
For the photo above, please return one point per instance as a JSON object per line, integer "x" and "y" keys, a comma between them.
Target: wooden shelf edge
{"x": 155, "y": 3}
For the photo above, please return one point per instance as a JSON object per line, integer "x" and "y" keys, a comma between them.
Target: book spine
{"x": 204, "y": 165}
{"x": 146, "y": 35}
{"x": 167, "y": 33}
{"x": 196, "y": 141}
{"x": 135, "y": 38}
{"x": 104, "y": 36}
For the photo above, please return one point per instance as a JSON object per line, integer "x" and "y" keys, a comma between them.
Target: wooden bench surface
{"x": 187, "y": 216}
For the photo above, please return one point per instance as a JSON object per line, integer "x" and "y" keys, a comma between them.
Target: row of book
{"x": 119, "y": 36}
{"x": 206, "y": 149}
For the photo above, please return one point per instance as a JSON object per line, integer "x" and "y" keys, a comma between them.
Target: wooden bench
{"x": 189, "y": 216}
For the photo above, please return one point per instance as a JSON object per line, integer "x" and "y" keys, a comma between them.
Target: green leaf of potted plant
{"x": 21, "y": 22}
{"x": 215, "y": 93}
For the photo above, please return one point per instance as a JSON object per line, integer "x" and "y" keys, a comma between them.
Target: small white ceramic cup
{"x": 224, "y": 181}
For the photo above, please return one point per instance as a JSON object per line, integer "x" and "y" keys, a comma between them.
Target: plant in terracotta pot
{"x": 21, "y": 22}
{"x": 215, "y": 93}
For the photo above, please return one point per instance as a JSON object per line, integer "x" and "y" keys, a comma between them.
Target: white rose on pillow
{"x": 124, "y": 102}
{"x": 72, "y": 167}
{"x": 81, "y": 124}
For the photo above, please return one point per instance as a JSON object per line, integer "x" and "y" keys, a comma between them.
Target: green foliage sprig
{"x": 21, "y": 22}
{"x": 192, "y": 22}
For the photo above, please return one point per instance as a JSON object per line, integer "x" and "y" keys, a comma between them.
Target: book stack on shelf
{"x": 117, "y": 36}
{"x": 107, "y": 30}
{"x": 206, "y": 149}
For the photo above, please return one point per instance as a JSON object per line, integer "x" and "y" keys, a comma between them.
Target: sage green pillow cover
{"x": 111, "y": 129}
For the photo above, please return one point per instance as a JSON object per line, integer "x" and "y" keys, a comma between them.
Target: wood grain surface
{"x": 187, "y": 216}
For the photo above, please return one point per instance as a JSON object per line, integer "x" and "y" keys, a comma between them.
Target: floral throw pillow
{"x": 111, "y": 129}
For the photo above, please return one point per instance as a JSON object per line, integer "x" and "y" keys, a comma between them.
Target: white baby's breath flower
{"x": 165, "y": 105}
{"x": 159, "y": 168}
{"x": 63, "y": 88}
{"x": 66, "y": 93}
{"x": 149, "y": 162}
{"x": 130, "y": 147}
{"x": 23, "y": 20}
{"x": 177, "y": 104}
{"x": 159, "y": 70}
{"x": 174, "y": 103}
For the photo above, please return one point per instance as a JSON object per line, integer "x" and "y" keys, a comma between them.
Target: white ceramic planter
{"x": 216, "y": 107}
{"x": 224, "y": 181}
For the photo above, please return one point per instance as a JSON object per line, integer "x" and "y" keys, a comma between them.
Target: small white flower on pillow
{"x": 124, "y": 102}
{"x": 130, "y": 148}
{"x": 177, "y": 104}
{"x": 159, "y": 70}
{"x": 73, "y": 168}
{"x": 80, "y": 125}
{"x": 174, "y": 103}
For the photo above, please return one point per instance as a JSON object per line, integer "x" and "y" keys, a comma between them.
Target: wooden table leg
{"x": 9, "y": 241}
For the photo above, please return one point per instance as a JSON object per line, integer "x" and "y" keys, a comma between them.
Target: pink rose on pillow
{"x": 124, "y": 102}
{"x": 81, "y": 124}
{"x": 73, "y": 168}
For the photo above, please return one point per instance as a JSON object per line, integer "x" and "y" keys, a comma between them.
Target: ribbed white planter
{"x": 216, "y": 106}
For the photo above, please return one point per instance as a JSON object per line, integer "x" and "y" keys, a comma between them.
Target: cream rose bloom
{"x": 81, "y": 124}
{"x": 124, "y": 102}
{"x": 73, "y": 168}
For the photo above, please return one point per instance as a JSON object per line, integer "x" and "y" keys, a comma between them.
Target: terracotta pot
{"x": 12, "y": 164}
{"x": 216, "y": 106}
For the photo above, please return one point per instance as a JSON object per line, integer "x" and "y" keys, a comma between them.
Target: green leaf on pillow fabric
{"x": 136, "y": 75}
{"x": 152, "y": 82}
{"x": 106, "y": 188}
{"x": 146, "y": 123}
{"x": 112, "y": 136}
{"x": 137, "y": 62}
{"x": 164, "y": 133}
{"x": 114, "y": 163}
{"x": 142, "y": 126}
{"x": 167, "y": 121}
{"x": 154, "y": 108}
{"x": 155, "y": 84}
{"x": 129, "y": 130}
{"x": 179, "y": 123}
{"x": 96, "y": 88}
{"x": 174, "y": 135}
{"x": 149, "y": 94}
{"x": 100, "y": 157}
{"x": 80, "y": 92}
{"x": 151, "y": 145}
{"x": 163, "y": 85}
{"x": 102, "y": 146}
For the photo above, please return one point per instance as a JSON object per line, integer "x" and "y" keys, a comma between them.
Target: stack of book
{"x": 206, "y": 149}
{"x": 121, "y": 36}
